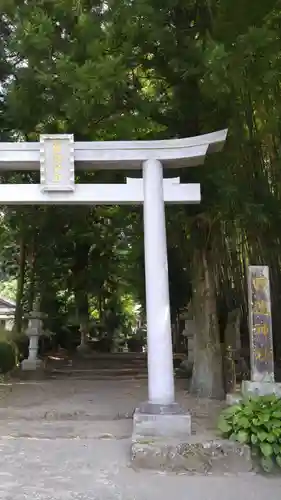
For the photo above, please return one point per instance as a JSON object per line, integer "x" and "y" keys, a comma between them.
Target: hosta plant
{"x": 256, "y": 422}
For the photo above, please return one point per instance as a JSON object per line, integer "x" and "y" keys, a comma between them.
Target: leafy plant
{"x": 21, "y": 342}
{"x": 8, "y": 356}
{"x": 256, "y": 422}
{"x": 18, "y": 340}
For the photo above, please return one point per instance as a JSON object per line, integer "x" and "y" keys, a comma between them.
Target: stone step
{"x": 115, "y": 362}
{"x": 200, "y": 455}
{"x": 122, "y": 355}
{"x": 108, "y": 358}
{"x": 114, "y": 371}
{"x": 98, "y": 374}
{"x": 94, "y": 373}
{"x": 97, "y": 377}
{"x": 99, "y": 364}
{"x": 66, "y": 429}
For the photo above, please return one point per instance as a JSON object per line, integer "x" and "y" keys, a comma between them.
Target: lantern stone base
{"x": 250, "y": 388}
{"x": 31, "y": 364}
{"x": 260, "y": 388}
{"x": 83, "y": 349}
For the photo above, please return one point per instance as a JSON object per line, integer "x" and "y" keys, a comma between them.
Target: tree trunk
{"x": 207, "y": 379}
{"x": 31, "y": 288}
{"x": 82, "y": 307}
{"x": 80, "y": 286}
{"x": 100, "y": 305}
{"x": 20, "y": 286}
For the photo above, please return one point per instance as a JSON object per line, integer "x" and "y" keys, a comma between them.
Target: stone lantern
{"x": 83, "y": 347}
{"x": 33, "y": 332}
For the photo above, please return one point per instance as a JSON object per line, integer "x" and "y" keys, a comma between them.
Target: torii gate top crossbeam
{"x": 118, "y": 154}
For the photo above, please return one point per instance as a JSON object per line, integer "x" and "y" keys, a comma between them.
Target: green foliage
{"x": 21, "y": 341}
{"x": 256, "y": 422}
{"x": 18, "y": 340}
{"x": 5, "y": 335}
{"x": 8, "y": 356}
{"x": 8, "y": 289}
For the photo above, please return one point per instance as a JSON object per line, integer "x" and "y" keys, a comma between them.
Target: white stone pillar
{"x": 159, "y": 335}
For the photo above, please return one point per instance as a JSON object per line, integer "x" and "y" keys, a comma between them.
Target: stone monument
{"x": 260, "y": 327}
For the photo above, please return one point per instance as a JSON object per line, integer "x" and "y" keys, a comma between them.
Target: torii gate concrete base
{"x": 57, "y": 156}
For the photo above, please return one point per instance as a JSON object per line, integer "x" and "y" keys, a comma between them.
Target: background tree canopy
{"x": 147, "y": 69}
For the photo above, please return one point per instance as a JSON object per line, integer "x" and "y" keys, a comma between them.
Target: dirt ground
{"x": 91, "y": 400}
{"x": 70, "y": 440}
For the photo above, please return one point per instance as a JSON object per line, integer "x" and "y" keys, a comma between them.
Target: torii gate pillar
{"x": 159, "y": 337}
{"x": 160, "y": 415}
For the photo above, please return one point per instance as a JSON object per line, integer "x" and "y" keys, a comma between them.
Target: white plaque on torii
{"x": 57, "y": 163}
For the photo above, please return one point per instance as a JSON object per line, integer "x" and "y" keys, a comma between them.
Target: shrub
{"x": 8, "y": 356}
{"x": 19, "y": 339}
{"x": 5, "y": 335}
{"x": 256, "y": 422}
{"x": 22, "y": 342}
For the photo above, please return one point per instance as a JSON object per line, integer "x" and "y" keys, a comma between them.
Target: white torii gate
{"x": 58, "y": 156}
